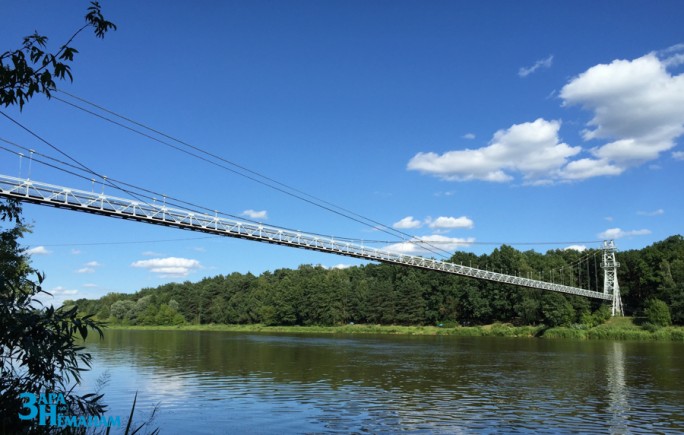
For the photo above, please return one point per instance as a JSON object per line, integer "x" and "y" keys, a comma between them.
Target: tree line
{"x": 392, "y": 294}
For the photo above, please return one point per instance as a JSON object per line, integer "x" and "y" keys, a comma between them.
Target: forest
{"x": 651, "y": 278}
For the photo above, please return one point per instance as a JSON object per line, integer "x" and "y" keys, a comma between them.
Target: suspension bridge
{"x": 35, "y": 192}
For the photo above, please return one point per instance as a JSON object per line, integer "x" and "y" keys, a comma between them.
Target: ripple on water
{"x": 221, "y": 383}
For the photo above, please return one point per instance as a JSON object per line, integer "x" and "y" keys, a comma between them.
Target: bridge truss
{"x": 159, "y": 214}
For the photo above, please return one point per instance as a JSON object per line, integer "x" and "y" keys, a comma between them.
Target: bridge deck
{"x": 106, "y": 205}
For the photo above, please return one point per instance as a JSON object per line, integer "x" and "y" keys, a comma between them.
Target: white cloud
{"x": 658, "y": 212}
{"x": 532, "y": 149}
{"x": 588, "y": 168}
{"x": 637, "y": 116}
{"x": 469, "y": 136}
{"x": 438, "y": 242}
{"x": 445, "y": 222}
{"x": 59, "y": 290}
{"x": 254, "y": 214}
{"x": 89, "y": 267}
{"x": 59, "y": 295}
{"x": 449, "y": 193}
{"x": 637, "y": 106}
{"x": 617, "y": 233}
{"x": 38, "y": 250}
{"x": 340, "y": 266}
{"x": 152, "y": 254}
{"x": 541, "y": 63}
{"x": 75, "y": 251}
{"x": 407, "y": 223}
{"x": 579, "y": 248}
{"x": 90, "y": 285}
{"x": 672, "y": 56}
{"x": 170, "y": 267}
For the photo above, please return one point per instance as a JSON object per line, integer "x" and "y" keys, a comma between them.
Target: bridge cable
{"x": 84, "y": 167}
{"x": 252, "y": 221}
{"x": 318, "y": 202}
{"x": 152, "y": 198}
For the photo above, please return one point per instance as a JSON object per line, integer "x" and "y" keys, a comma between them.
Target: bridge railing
{"x": 160, "y": 214}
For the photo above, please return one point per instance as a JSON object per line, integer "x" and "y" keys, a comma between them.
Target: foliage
{"x": 557, "y": 310}
{"x": 394, "y": 295}
{"x": 38, "y": 348}
{"x": 38, "y": 345}
{"x": 29, "y": 69}
{"x": 657, "y": 313}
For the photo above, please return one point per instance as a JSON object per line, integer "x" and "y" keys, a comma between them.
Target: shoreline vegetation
{"x": 354, "y": 299}
{"x": 618, "y": 328}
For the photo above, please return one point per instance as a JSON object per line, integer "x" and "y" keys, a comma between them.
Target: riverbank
{"x": 621, "y": 328}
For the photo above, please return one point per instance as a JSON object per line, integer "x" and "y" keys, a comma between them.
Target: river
{"x": 223, "y": 382}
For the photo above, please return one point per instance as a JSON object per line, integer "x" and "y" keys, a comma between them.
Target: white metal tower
{"x": 610, "y": 279}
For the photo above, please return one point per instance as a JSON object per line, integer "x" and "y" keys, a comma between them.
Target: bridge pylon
{"x": 610, "y": 278}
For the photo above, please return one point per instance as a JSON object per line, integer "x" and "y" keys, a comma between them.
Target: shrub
{"x": 657, "y": 312}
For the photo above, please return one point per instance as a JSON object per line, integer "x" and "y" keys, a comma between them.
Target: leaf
{"x": 130, "y": 417}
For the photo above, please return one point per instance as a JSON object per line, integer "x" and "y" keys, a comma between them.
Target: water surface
{"x": 223, "y": 382}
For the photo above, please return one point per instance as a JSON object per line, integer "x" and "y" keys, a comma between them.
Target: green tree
{"x": 528, "y": 309}
{"x": 657, "y": 313}
{"x": 410, "y": 300}
{"x": 167, "y": 315}
{"x": 38, "y": 348}
{"x": 30, "y": 70}
{"x": 557, "y": 310}
{"x": 121, "y": 310}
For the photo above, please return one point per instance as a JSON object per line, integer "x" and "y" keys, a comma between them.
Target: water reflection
{"x": 619, "y": 404}
{"x": 250, "y": 383}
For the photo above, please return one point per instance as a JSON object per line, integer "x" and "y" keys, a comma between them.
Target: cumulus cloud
{"x": 89, "y": 267}
{"x": 38, "y": 250}
{"x": 469, "y": 136}
{"x": 532, "y": 149}
{"x": 170, "y": 267}
{"x": 672, "y": 56}
{"x": 588, "y": 168}
{"x": 637, "y": 116}
{"x": 421, "y": 245}
{"x": 541, "y": 63}
{"x": 254, "y": 214}
{"x": 447, "y": 222}
{"x": 618, "y": 233}
{"x": 637, "y": 107}
{"x": 407, "y": 223}
{"x": 579, "y": 248}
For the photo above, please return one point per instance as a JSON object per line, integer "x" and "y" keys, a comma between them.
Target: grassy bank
{"x": 618, "y": 328}
{"x": 615, "y": 329}
{"x": 473, "y": 331}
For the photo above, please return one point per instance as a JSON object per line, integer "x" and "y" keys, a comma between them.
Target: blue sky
{"x": 463, "y": 122}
